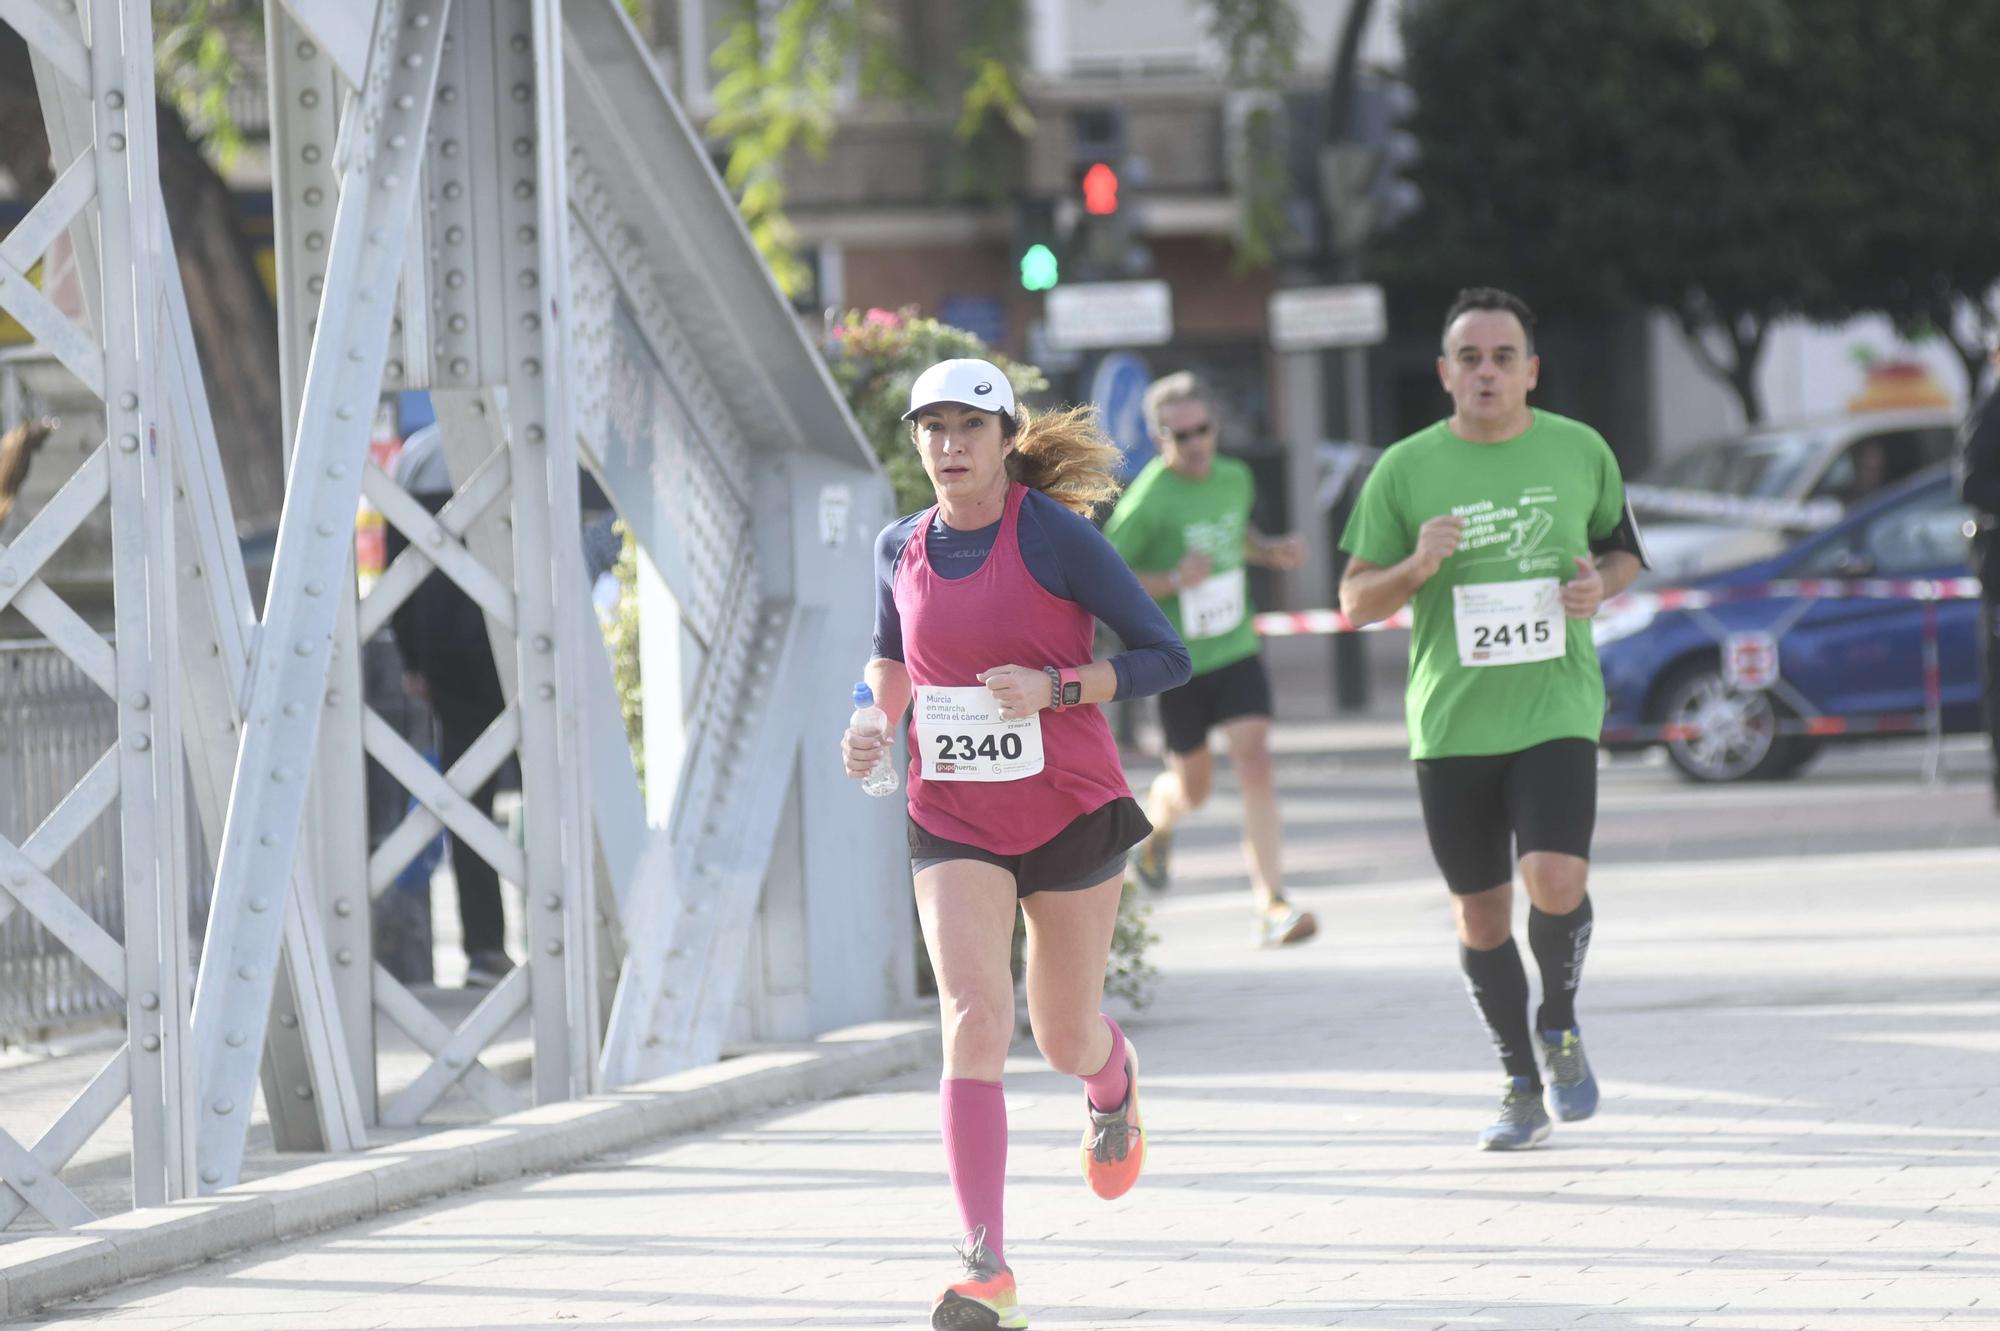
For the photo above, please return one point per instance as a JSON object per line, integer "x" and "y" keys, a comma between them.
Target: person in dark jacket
{"x": 448, "y": 663}
{"x": 1979, "y": 486}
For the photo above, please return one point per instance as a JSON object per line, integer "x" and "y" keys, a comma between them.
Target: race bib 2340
{"x": 962, "y": 737}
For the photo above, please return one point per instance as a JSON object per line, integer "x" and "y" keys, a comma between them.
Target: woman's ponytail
{"x": 1067, "y": 456}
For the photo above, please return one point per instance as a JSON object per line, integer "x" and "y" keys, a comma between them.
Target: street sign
{"x": 1119, "y": 389}
{"x": 1086, "y": 315}
{"x": 1314, "y": 318}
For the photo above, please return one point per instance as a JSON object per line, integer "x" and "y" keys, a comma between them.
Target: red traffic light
{"x": 1100, "y": 190}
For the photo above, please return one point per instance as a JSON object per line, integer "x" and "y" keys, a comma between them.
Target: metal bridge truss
{"x": 498, "y": 202}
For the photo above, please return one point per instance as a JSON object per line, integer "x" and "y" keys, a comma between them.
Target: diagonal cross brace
{"x": 444, "y": 798}
{"x": 53, "y": 212}
{"x": 56, "y": 911}
{"x": 422, "y": 1025}
{"x": 21, "y": 563}
{"x": 435, "y": 544}
{"x": 85, "y": 804}
{"x": 54, "y": 41}
{"x": 95, "y": 1103}
{"x": 380, "y": 151}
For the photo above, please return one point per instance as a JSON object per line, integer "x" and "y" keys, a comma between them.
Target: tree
{"x": 876, "y": 355}
{"x": 1921, "y": 236}
{"x": 781, "y": 68}
{"x": 1730, "y": 161}
{"x": 235, "y": 324}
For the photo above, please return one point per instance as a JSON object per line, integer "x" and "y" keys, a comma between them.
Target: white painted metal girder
{"x": 310, "y": 1096}
{"x": 152, "y": 816}
{"x": 727, "y": 851}
{"x": 377, "y": 158}
{"x": 548, "y": 552}
{"x": 341, "y": 27}
{"x": 306, "y": 89}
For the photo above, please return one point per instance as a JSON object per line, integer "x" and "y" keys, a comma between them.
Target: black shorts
{"x": 1085, "y": 853}
{"x": 1188, "y": 713}
{"x": 1543, "y": 798}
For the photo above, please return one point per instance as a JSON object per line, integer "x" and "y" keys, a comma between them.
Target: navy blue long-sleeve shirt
{"x": 1069, "y": 558}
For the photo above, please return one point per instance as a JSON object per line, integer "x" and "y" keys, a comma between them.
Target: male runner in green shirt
{"x": 1184, "y": 527}
{"x": 1503, "y": 528}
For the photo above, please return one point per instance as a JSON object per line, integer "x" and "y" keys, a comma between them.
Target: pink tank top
{"x": 954, "y": 629}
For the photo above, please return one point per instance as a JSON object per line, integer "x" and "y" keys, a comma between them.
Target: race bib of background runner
{"x": 1213, "y": 606}
{"x": 961, "y": 737}
{"x": 1509, "y": 623}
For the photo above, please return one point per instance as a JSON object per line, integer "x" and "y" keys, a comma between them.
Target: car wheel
{"x": 1733, "y": 732}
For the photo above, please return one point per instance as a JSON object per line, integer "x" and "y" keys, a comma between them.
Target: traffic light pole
{"x": 1350, "y": 650}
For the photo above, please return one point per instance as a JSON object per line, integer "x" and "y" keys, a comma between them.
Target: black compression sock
{"x": 1498, "y": 983}
{"x": 1559, "y": 943}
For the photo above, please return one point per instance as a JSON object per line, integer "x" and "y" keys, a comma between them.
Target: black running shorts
{"x": 1477, "y": 810}
{"x": 1085, "y": 853}
{"x": 1188, "y": 713}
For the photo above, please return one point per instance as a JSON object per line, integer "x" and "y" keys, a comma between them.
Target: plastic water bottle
{"x": 868, "y": 720}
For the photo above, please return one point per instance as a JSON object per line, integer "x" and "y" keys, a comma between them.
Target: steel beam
{"x": 377, "y": 158}
{"x": 305, "y": 63}
{"x": 526, "y": 92}
{"x": 153, "y": 820}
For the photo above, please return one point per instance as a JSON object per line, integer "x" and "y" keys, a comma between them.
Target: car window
{"x": 1762, "y": 466}
{"x": 1913, "y": 538}
{"x": 1873, "y": 461}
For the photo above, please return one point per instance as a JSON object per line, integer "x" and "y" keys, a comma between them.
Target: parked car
{"x": 1746, "y": 497}
{"x": 1836, "y": 657}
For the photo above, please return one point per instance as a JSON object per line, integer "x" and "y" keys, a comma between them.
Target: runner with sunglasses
{"x": 1184, "y": 526}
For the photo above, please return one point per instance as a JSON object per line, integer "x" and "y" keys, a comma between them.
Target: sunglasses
{"x": 1193, "y": 432}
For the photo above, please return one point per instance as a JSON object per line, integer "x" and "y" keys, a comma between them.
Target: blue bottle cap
{"x": 863, "y": 696}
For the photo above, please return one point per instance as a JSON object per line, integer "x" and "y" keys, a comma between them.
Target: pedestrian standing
{"x": 986, "y": 605}
{"x": 1503, "y": 528}
{"x": 1184, "y": 525}
{"x": 448, "y": 665}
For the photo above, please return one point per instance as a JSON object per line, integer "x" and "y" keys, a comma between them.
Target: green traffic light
{"x": 1039, "y": 270}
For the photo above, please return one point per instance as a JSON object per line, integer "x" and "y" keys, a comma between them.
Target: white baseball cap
{"x": 970, "y": 383}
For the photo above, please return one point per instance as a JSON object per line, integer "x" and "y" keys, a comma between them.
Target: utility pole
{"x": 1350, "y": 651}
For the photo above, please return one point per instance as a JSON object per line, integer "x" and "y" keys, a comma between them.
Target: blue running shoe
{"x": 1522, "y": 1124}
{"x": 1572, "y": 1088}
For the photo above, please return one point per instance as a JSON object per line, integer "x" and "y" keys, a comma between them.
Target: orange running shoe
{"x": 985, "y": 1300}
{"x": 1114, "y": 1145}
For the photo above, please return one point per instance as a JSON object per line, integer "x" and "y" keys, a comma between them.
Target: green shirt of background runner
{"x": 1162, "y": 515}
{"x": 1455, "y": 710}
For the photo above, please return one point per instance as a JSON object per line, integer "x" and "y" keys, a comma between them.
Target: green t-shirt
{"x": 1532, "y": 504}
{"x": 1161, "y": 516}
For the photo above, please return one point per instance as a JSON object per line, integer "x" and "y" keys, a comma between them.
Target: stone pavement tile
{"x": 1316, "y": 1172}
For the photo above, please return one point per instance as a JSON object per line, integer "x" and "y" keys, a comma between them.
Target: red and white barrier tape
{"x": 1292, "y": 623}
{"x": 1817, "y": 589}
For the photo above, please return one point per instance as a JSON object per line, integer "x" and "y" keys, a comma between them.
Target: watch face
{"x": 1073, "y": 693}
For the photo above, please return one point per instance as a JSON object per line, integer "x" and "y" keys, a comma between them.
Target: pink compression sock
{"x": 974, "y": 1118}
{"x": 1106, "y": 1086}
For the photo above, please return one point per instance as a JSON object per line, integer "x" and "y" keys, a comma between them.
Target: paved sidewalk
{"x": 1801, "y": 1130}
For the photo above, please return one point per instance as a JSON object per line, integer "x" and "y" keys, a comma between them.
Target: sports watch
{"x": 1065, "y": 687}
